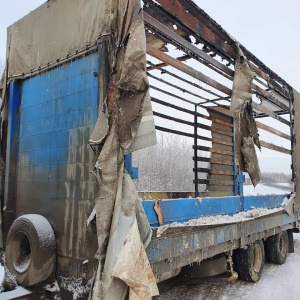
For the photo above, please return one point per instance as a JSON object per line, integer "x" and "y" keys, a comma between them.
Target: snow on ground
{"x": 267, "y": 189}
{"x": 278, "y": 282}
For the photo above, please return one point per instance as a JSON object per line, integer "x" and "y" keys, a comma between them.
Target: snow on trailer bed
{"x": 178, "y": 243}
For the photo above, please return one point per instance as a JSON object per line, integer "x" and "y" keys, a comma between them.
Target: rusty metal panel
{"x": 181, "y": 42}
{"x": 196, "y": 26}
{"x": 185, "y": 245}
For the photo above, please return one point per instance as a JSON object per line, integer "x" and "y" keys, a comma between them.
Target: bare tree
{"x": 168, "y": 166}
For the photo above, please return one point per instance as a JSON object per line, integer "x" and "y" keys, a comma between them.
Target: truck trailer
{"x": 89, "y": 85}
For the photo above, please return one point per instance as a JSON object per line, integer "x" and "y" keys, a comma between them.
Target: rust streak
{"x": 178, "y": 11}
{"x": 193, "y": 50}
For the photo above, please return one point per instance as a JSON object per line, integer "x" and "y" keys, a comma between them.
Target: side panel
{"x": 58, "y": 112}
{"x": 12, "y": 154}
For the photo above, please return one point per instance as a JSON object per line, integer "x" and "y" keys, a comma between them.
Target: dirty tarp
{"x": 245, "y": 135}
{"x": 126, "y": 120}
{"x": 52, "y": 31}
{"x": 118, "y": 210}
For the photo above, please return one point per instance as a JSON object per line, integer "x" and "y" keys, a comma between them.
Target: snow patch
{"x": 79, "y": 287}
{"x": 54, "y": 287}
{"x": 91, "y": 217}
{"x": 221, "y": 219}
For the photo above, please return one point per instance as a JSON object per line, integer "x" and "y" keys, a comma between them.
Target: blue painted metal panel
{"x": 132, "y": 171}
{"x": 53, "y": 104}
{"x": 181, "y": 210}
{"x": 269, "y": 201}
{"x": 58, "y": 111}
{"x": 14, "y": 101}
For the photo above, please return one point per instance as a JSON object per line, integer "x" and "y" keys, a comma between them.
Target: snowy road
{"x": 278, "y": 282}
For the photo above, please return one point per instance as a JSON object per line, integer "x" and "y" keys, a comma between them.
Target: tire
{"x": 249, "y": 262}
{"x": 276, "y": 247}
{"x": 30, "y": 249}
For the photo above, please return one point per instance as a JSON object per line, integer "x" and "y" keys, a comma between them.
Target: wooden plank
{"x": 275, "y": 148}
{"x": 187, "y": 69}
{"x": 222, "y": 142}
{"x": 221, "y": 122}
{"x": 215, "y": 161}
{"x": 270, "y": 97}
{"x": 273, "y": 130}
{"x": 202, "y": 126}
{"x": 215, "y": 182}
{"x": 180, "y": 41}
{"x": 214, "y": 171}
{"x": 270, "y": 113}
{"x": 176, "y": 9}
{"x": 161, "y": 65}
{"x": 191, "y": 112}
{"x": 268, "y": 79}
{"x": 213, "y": 150}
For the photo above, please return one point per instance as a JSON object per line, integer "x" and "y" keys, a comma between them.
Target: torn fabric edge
{"x": 126, "y": 104}
{"x": 134, "y": 268}
{"x": 244, "y": 123}
{"x": 250, "y": 160}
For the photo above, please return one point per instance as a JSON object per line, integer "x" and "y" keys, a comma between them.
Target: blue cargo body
{"x": 58, "y": 110}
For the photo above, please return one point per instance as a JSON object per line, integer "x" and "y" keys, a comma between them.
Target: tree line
{"x": 168, "y": 166}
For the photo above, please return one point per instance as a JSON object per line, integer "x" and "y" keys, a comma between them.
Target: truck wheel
{"x": 277, "y": 248}
{"x": 249, "y": 262}
{"x": 30, "y": 249}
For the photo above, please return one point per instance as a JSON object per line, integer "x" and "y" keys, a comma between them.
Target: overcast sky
{"x": 268, "y": 28}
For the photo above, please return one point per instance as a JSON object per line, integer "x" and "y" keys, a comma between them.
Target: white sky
{"x": 268, "y": 28}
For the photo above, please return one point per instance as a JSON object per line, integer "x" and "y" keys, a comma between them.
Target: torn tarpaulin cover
{"x": 250, "y": 160}
{"x": 244, "y": 123}
{"x": 126, "y": 107}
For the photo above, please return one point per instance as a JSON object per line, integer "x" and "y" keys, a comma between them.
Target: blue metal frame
{"x": 181, "y": 210}
{"x": 133, "y": 172}
{"x": 14, "y": 101}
